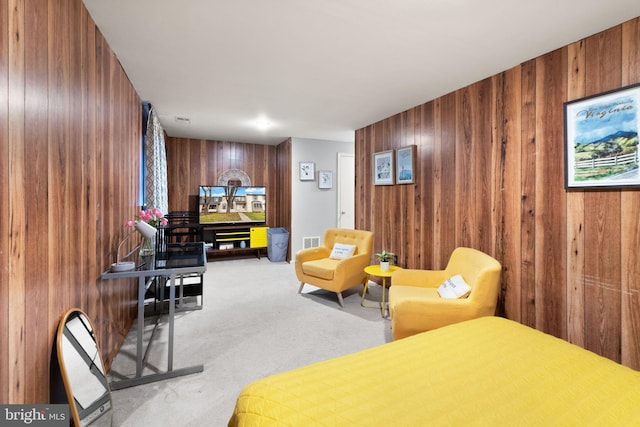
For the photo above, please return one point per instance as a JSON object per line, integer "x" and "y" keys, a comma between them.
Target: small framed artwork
{"x": 307, "y": 171}
{"x": 601, "y": 140}
{"x": 325, "y": 179}
{"x": 383, "y": 168}
{"x": 406, "y": 165}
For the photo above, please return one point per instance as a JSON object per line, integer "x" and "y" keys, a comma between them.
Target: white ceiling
{"x": 324, "y": 68}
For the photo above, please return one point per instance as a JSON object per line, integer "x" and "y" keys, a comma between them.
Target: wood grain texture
{"x": 603, "y": 65}
{"x": 17, "y": 206}
{"x": 36, "y": 76}
{"x": 629, "y": 206}
{"x": 575, "y": 215}
{"x": 195, "y": 162}
{"x": 507, "y": 162}
{"x": 494, "y": 167}
{"x": 69, "y": 155}
{"x": 445, "y": 219}
{"x": 550, "y": 215}
{"x": 4, "y": 205}
{"x": 528, "y": 143}
{"x": 283, "y": 187}
{"x": 424, "y": 197}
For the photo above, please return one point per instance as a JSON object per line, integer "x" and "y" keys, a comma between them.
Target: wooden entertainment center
{"x": 224, "y": 240}
{"x": 220, "y": 239}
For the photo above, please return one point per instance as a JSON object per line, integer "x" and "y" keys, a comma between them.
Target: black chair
{"x": 181, "y": 229}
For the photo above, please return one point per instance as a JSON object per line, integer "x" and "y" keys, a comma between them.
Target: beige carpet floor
{"x": 253, "y": 323}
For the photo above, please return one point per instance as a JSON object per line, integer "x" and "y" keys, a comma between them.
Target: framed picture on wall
{"x": 406, "y": 165}
{"x": 307, "y": 171}
{"x": 325, "y": 179}
{"x": 383, "y": 168}
{"x": 601, "y": 140}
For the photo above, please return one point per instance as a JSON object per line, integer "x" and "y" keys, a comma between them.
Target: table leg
{"x": 172, "y": 312}
{"x": 140, "y": 331}
{"x": 383, "y": 307}
{"x": 382, "y": 303}
{"x": 170, "y": 373}
{"x": 364, "y": 291}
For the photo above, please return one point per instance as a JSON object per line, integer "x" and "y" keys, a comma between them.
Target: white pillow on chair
{"x": 342, "y": 251}
{"x": 454, "y": 287}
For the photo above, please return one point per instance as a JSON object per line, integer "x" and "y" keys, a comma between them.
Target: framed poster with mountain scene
{"x": 406, "y": 165}
{"x": 601, "y": 140}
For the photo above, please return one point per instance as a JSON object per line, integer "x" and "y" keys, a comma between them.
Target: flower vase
{"x": 384, "y": 265}
{"x": 147, "y": 252}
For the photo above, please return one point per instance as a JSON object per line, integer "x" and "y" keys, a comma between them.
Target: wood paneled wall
{"x": 283, "y": 188}
{"x": 491, "y": 176}
{"x": 195, "y": 162}
{"x": 69, "y": 155}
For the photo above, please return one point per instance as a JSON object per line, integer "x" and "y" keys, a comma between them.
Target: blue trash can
{"x": 277, "y": 244}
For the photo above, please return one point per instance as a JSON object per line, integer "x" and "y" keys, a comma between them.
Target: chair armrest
{"x": 419, "y": 278}
{"x": 360, "y": 261}
{"x": 441, "y": 312}
{"x": 304, "y": 255}
{"x": 352, "y": 268}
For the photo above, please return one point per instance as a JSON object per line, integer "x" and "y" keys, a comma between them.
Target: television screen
{"x": 232, "y": 204}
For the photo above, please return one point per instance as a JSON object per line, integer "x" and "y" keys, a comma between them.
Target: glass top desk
{"x": 177, "y": 260}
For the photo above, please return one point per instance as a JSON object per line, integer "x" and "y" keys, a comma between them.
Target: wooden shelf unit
{"x": 221, "y": 239}
{"x": 234, "y": 239}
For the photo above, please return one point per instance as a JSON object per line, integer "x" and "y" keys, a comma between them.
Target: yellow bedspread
{"x": 484, "y": 372}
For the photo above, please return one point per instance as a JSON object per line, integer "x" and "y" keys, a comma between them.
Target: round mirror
{"x": 82, "y": 371}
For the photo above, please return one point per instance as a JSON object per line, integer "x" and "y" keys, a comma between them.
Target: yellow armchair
{"x": 315, "y": 267}
{"x": 415, "y": 305}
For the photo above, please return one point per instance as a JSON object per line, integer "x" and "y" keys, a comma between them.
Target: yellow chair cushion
{"x": 322, "y": 268}
{"x": 416, "y": 294}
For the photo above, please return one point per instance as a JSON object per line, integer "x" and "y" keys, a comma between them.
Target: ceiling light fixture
{"x": 263, "y": 123}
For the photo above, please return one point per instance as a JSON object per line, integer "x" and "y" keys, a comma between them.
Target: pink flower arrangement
{"x": 152, "y": 216}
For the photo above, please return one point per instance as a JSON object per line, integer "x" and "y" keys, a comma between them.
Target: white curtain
{"x": 155, "y": 165}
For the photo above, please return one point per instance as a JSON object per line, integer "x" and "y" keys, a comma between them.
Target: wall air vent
{"x": 310, "y": 242}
